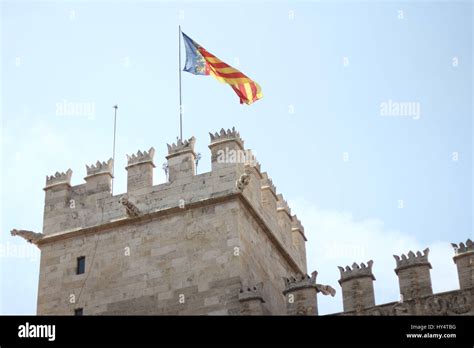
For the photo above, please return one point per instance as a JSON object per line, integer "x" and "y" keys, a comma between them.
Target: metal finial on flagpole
{"x": 113, "y": 155}
{"x": 180, "y": 99}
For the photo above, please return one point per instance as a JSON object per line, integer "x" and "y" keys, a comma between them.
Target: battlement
{"x": 455, "y": 302}
{"x": 413, "y": 271}
{"x": 141, "y": 158}
{"x": 181, "y": 146}
{"x": 356, "y": 271}
{"x": 267, "y": 184}
{"x": 282, "y": 205}
{"x": 464, "y": 260}
{"x": 186, "y": 231}
{"x": 251, "y": 293}
{"x": 57, "y": 179}
{"x": 357, "y": 286}
{"x": 69, "y": 208}
{"x": 226, "y": 136}
{"x": 301, "y": 291}
{"x": 297, "y": 226}
{"x": 299, "y": 282}
{"x": 463, "y": 248}
{"x": 100, "y": 168}
{"x": 254, "y": 163}
{"x": 412, "y": 259}
{"x": 251, "y": 300}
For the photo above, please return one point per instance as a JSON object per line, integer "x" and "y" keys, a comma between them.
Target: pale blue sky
{"x": 314, "y": 109}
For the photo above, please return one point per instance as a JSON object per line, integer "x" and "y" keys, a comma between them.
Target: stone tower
{"x": 464, "y": 260}
{"x": 357, "y": 285}
{"x": 413, "y": 272}
{"x": 416, "y": 293}
{"x": 221, "y": 242}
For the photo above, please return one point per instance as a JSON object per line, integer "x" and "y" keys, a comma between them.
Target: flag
{"x": 200, "y": 62}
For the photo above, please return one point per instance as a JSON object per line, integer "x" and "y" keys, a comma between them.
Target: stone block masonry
{"x": 223, "y": 242}
{"x": 197, "y": 244}
{"x": 416, "y": 294}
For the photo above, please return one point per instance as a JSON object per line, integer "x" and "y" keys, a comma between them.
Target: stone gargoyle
{"x": 29, "y": 236}
{"x": 130, "y": 208}
{"x": 243, "y": 181}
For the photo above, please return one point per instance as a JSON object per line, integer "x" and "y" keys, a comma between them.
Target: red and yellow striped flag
{"x": 201, "y": 62}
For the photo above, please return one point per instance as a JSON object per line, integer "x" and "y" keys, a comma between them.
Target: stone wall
{"x": 261, "y": 263}
{"x": 193, "y": 245}
{"x": 147, "y": 267}
{"x": 416, "y": 294}
{"x": 456, "y": 302}
{"x": 222, "y": 242}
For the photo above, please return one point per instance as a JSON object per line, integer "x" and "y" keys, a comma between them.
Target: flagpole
{"x": 180, "y": 98}
{"x": 113, "y": 155}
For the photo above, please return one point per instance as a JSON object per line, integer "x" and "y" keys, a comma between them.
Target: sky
{"x": 365, "y": 126}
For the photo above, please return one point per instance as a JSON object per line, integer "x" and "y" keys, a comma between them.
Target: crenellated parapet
{"x": 100, "y": 168}
{"x": 181, "y": 146}
{"x": 456, "y": 302}
{"x": 229, "y": 135}
{"x": 267, "y": 184}
{"x": 140, "y": 170}
{"x": 300, "y": 292}
{"x": 412, "y": 260}
{"x": 284, "y": 219}
{"x": 227, "y": 150}
{"x": 300, "y": 281}
{"x": 357, "y": 286}
{"x": 356, "y": 271}
{"x": 251, "y": 300}
{"x": 141, "y": 158}
{"x": 235, "y": 173}
{"x": 298, "y": 239}
{"x": 464, "y": 260}
{"x": 99, "y": 177}
{"x": 416, "y": 294}
{"x": 237, "y": 202}
{"x": 269, "y": 193}
{"x": 254, "y": 163}
{"x": 58, "y": 192}
{"x": 181, "y": 159}
{"x": 282, "y": 205}
{"x": 58, "y": 179}
{"x": 251, "y": 293}
{"x": 463, "y": 248}
{"x": 413, "y": 272}
{"x": 297, "y": 226}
